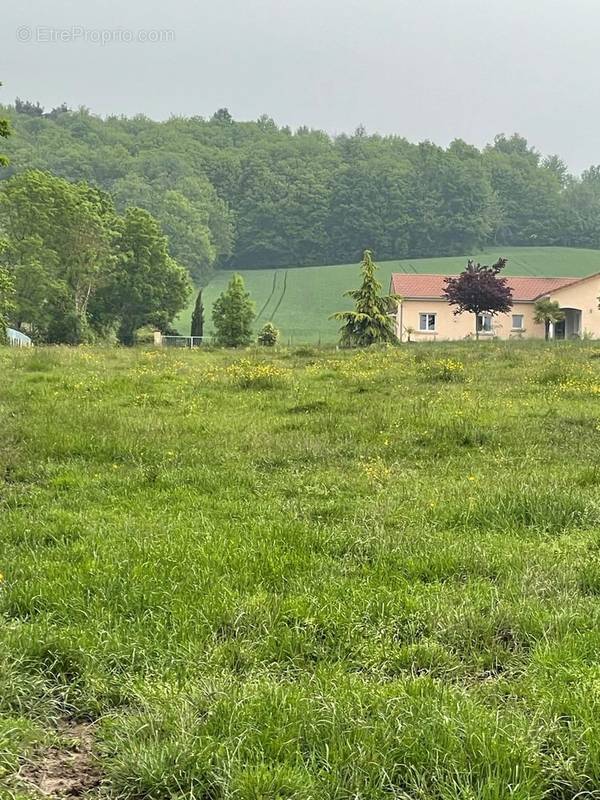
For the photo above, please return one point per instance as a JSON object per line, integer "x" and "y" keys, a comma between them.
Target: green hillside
{"x": 299, "y": 301}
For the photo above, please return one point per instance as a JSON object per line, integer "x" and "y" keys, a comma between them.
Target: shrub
{"x": 145, "y": 335}
{"x": 268, "y": 336}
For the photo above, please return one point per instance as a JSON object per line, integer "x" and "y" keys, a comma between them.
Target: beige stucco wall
{"x": 583, "y": 296}
{"x": 451, "y": 326}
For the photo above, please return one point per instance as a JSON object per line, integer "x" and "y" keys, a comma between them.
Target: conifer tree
{"x": 198, "y": 317}
{"x": 371, "y": 321}
{"x": 233, "y": 314}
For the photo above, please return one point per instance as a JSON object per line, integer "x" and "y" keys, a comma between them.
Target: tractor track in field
{"x": 285, "y": 277}
{"x": 527, "y": 270}
{"x": 407, "y": 268}
{"x": 268, "y": 300}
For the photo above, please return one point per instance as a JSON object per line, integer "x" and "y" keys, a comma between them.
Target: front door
{"x": 559, "y": 329}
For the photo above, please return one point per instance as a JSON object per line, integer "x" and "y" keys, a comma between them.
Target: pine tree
{"x": 233, "y": 314}
{"x": 371, "y": 322}
{"x": 198, "y": 317}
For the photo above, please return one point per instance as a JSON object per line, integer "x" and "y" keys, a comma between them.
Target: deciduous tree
{"x": 7, "y": 292}
{"x": 62, "y": 234}
{"x": 479, "y": 289}
{"x": 147, "y": 287}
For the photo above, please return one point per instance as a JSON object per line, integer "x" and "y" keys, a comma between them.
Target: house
{"x": 425, "y": 315}
{"x": 17, "y": 339}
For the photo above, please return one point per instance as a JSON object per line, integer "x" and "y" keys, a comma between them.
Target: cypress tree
{"x": 198, "y": 317}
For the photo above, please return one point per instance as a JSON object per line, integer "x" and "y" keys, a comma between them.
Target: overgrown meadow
{"x": 304, "y": 574}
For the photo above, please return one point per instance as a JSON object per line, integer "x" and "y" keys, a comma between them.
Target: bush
{"x": 268, "y": 336}
{"x": 69, "y": 328}
{"x": 145, "y": 335}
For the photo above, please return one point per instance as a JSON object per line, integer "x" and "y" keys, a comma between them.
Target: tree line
{"x": 255, "y": 194}
{"x": 73, "y": 270}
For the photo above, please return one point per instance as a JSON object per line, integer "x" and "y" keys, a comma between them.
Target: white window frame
{"x": 520, "y": 327}
{"x": 483, "y": 318}
{"x": 427, "y": 315}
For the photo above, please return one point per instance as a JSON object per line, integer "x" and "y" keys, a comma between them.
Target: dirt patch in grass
{"x": 66, "y": 769}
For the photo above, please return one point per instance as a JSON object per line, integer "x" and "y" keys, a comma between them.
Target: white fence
{"x": 180, "y": 341}
{"x": 294, "y": 337}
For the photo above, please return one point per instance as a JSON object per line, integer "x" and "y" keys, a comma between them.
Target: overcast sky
{"x": 425, "y": 69}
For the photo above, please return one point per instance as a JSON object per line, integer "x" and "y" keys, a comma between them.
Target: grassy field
{"x": 299, "y": 301}
{"x": 302, "y": 574}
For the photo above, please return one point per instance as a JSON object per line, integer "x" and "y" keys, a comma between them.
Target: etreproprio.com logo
{"x": 46, "y": 34}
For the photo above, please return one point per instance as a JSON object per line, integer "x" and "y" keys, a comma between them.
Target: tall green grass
{"x": 305, "y": 574}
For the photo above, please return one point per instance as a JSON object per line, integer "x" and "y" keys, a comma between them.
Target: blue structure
{"x": 17, "y": 339}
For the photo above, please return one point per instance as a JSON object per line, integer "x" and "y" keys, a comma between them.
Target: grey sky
{"x": 425, "y": 69}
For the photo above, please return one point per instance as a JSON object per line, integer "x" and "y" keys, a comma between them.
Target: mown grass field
{"x": 300, "y": 301}
{"x": 304, "y": 574}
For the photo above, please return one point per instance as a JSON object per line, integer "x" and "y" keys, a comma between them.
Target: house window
{"x": 427, "y": 322}
{"x": 484, "y": 323}
{"x": 518, "y": 322}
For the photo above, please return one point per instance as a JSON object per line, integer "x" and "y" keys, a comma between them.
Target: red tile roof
{"x": 430, "y": 286}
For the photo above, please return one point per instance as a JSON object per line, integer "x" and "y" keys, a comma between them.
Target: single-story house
{"x": 17, "y": 338}
{"x": 425, "y": 315}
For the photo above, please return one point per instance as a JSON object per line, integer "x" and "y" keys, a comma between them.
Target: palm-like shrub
{"x": 547, "y": 311}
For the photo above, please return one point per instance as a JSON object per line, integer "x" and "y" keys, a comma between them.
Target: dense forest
{"x": 246, "y": 194}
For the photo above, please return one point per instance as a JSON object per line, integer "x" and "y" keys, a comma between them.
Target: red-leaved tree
{"x": 479, "y": 289}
